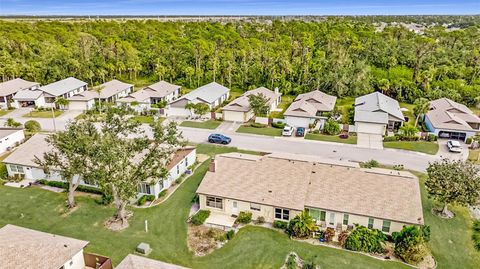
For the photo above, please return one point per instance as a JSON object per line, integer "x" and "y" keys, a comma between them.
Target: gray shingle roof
{"x": 4, "y": 132}
{"x": 308, "y": 104}
{"x": 12, "y": 86}
{"x": 208, "y": 93}
{"x": 28, "y": 95}
{"x": 111, "y": 88}
{"x": 372, "y": 117}
{"x": 242, "y": 103}
{"x": 138, "y": 262}
{"x": 26, "y": 152}
{"x": 162, "y": 89}
{"x": 63, "y": 86}
{"x": 378, "y": 102}
{"x": 447, "y": 114}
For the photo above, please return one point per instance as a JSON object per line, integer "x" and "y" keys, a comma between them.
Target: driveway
{"x": 47, "y": 124}
{"x": 443, "y": 151}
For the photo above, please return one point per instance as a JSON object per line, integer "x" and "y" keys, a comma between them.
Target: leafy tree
{"x": 366, "y": 240}
{"x": 302, "y": 225}
{"x": 408, "y": 131}
{"x": 259, "y": 104}
{"x": 69, "y": 157}
{"x": 453, "y": 182}
{"x": 331, "y": 127}
{"x": 198, "y": 109}
{"x": 12, "y": 123}
{"x": 61, "y": 102}
{"x": 410, "y": 243}
{"x": 32, "y": 126}
{"x": 421, "y": 107}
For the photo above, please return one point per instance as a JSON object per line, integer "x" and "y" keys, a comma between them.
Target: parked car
{"x": 219, "y": 139}
{"x": 287, "y": 131}
{"x": 300, "y": 132}
{"x": 454, "y": 146}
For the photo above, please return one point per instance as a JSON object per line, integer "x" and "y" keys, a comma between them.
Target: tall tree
{"x": 421, "y": 107}
{"x": 259, "y": 104}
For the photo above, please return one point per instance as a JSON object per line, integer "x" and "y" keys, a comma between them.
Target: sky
{"x": 238, "y": 7}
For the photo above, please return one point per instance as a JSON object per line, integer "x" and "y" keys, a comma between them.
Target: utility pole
{"x": 53, "y": 118}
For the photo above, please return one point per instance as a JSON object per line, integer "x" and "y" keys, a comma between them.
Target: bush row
{"x": 64, "y": 185}
{"x": 145, "y": 198}
{"x": 199, "y": 218}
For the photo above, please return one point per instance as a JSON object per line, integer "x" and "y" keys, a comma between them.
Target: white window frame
{"x": 284, "y": 214}
{"x": 214, "y": 202}
{"x": 17, "y": 169}
{"x": 255, "y": 207}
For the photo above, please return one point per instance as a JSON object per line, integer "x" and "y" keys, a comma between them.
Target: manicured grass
{"x": 474, "y": 155}
{"x": 409, "y": 114}
{"x": 343, "y": 105}
{"x": 331, "y": 138}
{"x": 284, "y": 104}
{"x": 212, "y": 150}
{"x": 145, "y": 119}
{"x": 419, "y": 146}
{"x": 270, "y": 131}
{"x": 209, "y": 124}
{"x": 4, "y": 112}
{"x": 43, "y": 114}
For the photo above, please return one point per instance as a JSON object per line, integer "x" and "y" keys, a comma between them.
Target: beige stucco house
{"x": 239, "y": 109}
{"x": 338, "y": 195}
{"x": 308, "y": 108}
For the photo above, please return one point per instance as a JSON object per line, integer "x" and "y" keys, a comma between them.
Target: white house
{"x": 449, "y": 119}
{"x": 82, "y": 101}
{"x": 375, "y": 113}
{"x": 10, "y": 137}
{"x": 106, "y": 92}
{"x": 239, "y": 109}
{"x": 65, "y": 88}
{"x": 308, "y": 108}
{"x": 25, "y": 248}
{"x": 212, "y": 94}
{"x": 9, "y": 88}
{"x": 159, "y": 92}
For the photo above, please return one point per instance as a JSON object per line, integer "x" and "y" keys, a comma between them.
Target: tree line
{"x": 343, "y": 57}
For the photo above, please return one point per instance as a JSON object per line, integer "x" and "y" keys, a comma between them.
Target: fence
{"x": 97, "y": 261}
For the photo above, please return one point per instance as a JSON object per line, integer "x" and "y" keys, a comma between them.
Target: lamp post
{"x": 53, "y": 118}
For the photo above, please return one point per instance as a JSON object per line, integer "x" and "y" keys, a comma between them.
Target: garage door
{"x": 373, "y": 141}
{"x": 452, "y": 135}
{"x": 233, "y": 116}
{"x": 74, "y": 105}
{"x": 178, "y": 111}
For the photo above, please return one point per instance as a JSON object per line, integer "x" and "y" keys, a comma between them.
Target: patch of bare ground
{"x": 65, "y": 211}
{"x": 204, "y": 240}
{"x": 294, "y": 261}
{"x": 115, "y": 224}
{"x": 442, "y": 214}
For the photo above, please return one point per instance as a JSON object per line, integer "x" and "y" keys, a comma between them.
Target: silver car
{"x": 454, "y": 146}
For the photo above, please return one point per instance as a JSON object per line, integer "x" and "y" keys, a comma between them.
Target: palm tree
{"x": 302, "y": 225}
{"x": 421, "y": 107}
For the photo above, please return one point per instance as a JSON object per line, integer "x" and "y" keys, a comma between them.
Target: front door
{"x": 234, "y": 208}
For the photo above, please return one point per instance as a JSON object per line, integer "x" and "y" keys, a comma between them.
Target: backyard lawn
{"x": 252, "y": 247}
{"x": 331, "y": 138}
{"x": 209, "y": 124}
{"x": 43, "y": 114}
{"x": 409, "y": 112}
{"x": 419, "y": 146}
{"x": 145, "y": 119}
{"x": 270, "y": 131}
{"x": 284, "y": 104}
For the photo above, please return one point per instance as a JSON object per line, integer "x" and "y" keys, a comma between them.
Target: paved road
{"x": 46, "y": 123}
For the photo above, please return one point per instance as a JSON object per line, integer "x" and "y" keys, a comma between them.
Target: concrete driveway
{"x": 443, "y": 151}
{"x": 47, "y": 124}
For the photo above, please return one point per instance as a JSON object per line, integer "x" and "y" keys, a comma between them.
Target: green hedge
{"x": 145, "y": 198}
{"x": 280, "y": 224}
{"x": 257, "y": 125}
{"x": 278, "y": 125}
{"x": 64, "y": 185}
{"x": 162, "y": 193}
{"x": 3, "y": 171}
{"x": 199, "y": 218}
{"x": 244, "y": 217}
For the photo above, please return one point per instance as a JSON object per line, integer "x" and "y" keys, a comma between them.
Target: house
{"x": 64, "y": 88}
{"x": 22, "y": 248}
{"x": 159, "y": 92}
{"x": 449, "y": 119}
{"x": 375, "y": 113}
{"x": 308, "y": 108}
{"x": 107, "y": 92}
{"x": 10, "y": 137}
{"x": 29, "y": 97}
{"x": 212, "y": 94}
{"x": 336, "y": 194}
{"x": 9, "y": 88}
{"x": 21, "y": 162}
{"x": 138, "y": 262}
{"x": 239, "y": 109}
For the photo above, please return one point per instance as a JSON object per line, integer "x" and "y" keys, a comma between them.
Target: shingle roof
{"x": 12, "y": 86}
{"x": 207, "y": 93}
{"x": 447, "y": 114}
{"x": 242, "y": 103}
{"x": 4, "y": 132}
{"x": 162, "y": 89}
{"x": 84, "y": 96}
{"x": 63, "y": 86}
{"x": 308, "y": 104}
{"x": 141, "y": 96}
{"x": 26, "y": 152}
{"x": 372, "y": 117}
{"x": 378, "y": 102}
{"x": 25, "y": 248}
{"x": 111, "y": 88}
{"x": 138, "y": 262}
{"x": 296, "y": 183}
{"x": 28, "y": 95}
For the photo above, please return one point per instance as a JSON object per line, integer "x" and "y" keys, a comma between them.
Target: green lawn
{"x": 284, "y": 104}
{"x": 419, "y": 146}
{"x": 209, "y": 124}
{"x": 331, "y": 138}
{"x": 145, "y": 119}
{"x": 4, "y": 112}
{"x": 252, "y": 247}
{"x": 409, "y": 113}
{"x": 270, "y": 131}
{"x": 43, "y": 114}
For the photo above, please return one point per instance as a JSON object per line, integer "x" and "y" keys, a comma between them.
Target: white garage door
{"x": 76, "y": 105}
{"x": 179, "y": 111}
{"x": 373, "y": 141}
{"x": 297, "y": 121}
{"x": 234, "y": 116}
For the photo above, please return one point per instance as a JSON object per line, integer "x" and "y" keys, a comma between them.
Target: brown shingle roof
{"x": 284, "y": 181}
{"x": 138, "y": 262}
{"x": 24, "y": 248}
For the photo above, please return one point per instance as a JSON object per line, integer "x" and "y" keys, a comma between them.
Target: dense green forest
{"x": 345, "y": 57}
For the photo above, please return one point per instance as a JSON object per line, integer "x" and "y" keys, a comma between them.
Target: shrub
{"x": 366, "y": 240}
{"x": 398, "y": 167}
{"x": 257, "y": 125}
{"x": 3, "y": 171}
{"x": 331, "y": 127}
{"x": 142, "y": 200}
{"x": 106, "y": 199}
{"x": 244, "y": 217}
{"x": 316, "y": 131}
{"x": 64, "y": 185}
{"x": 230, "y": 234}
{"x": 409, "y": 243}
{"x": 309, "y": 265}
{"x": 342, "y": 238}
{"x": 12, "y": 123}
{"x": 370, "y": 164}
{"x": 390, "y": 138}
{"x": 32, "y": 126}
{"x": 432, "y": 137}
{"x": 199, "y": 218}
{"x": 328, "y": 234}
{"x": 302, "y": 225}
{"x": 280, "y": 224}
{"x": 476, "y": 235}
{"x": 469, "y": 141}
{"x": 407, "y": 130}
{"x": 260, "y": 220}
{"x": 278, "y": 125}
{"x": 161, "y": 194}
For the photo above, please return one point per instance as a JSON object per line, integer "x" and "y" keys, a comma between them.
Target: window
{"x": 317, "y": 214}
{"x": 386, "y": 226}
{"x": 345, "y": 219}
{"x": 283, "y": 214}
{"x": 144, "y": 188}
{"x": 186, "y": 162}
{"x": 255, "y": 207}
{"x": 178, "y": 169}
{"x": 17, "y": 169}
{"x": 370, "y": 223}
{"x": 332, "y": 218}
{"x": 214, "y": 202}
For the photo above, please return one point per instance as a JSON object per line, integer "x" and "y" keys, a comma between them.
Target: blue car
{"x": 300, "y": 132}
{"x": 219, "y": 139}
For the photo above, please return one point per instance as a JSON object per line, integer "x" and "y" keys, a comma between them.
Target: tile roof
{"x": 242, "y": 103}
{"x": 378, "y": 102}
{"x": 447, "y": 114}
{"x": 297, "y": 182}
{"x": 12, "y": 86}
{"x": 63, "y": 86}
{"x": 111, "y": 88}
{"x": 207, "y": 93}
{"x": 138, "y": 262}
{"x": 25, "y": 248}
{"x": 308, "y": 104}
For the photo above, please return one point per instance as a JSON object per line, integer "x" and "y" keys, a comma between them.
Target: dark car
{"x": 219, "y": 139}
{"x": 300, "y": 132}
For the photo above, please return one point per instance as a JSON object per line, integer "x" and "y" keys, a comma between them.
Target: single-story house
{"x": 449, "y": 119}
{"x": 82, "y": 101}
{"x": 21, "y": 161}
{"x": 10, "y": 137}
{"x": 375, "y": 113}
{"x": 308, "y": 108}
{"x": 29, "y": 97}
{"x": 9, "y": 88}
{"x": 337, "y": 195}
{"x": 212, "y": 94}
{"x": 155, "y": 93}
{"x": 25, "y": 248}
{"x": 106, "y": 92}
{"x": 138, "y": 262}
{"x": 65, "y": 88}
{"x": 239, "y": 109}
